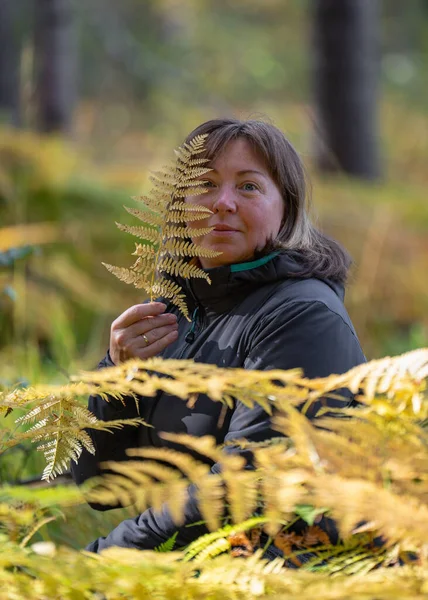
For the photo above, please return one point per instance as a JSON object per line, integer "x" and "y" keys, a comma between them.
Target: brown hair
{"x": 319, "y": 255}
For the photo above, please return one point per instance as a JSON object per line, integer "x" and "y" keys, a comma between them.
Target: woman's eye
{"x": 207, "y": 183}
{"x": 249, "y": 187}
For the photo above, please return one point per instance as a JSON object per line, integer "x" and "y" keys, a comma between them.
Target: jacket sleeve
{"x": 108, "y": 446}
{"x": 322, "y": 343}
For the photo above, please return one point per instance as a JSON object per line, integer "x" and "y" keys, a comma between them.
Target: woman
{"x": 275, "y": 302}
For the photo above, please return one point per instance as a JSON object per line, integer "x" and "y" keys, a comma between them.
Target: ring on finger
{"x": 146, "y": 339}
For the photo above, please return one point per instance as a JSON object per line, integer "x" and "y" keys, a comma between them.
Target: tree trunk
{"x": 10, "y": 49}
{"x": 346, "y": 76}
{"x": 55, "y": 63}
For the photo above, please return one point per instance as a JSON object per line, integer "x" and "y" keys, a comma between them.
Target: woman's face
{"x": 247, "y": 206}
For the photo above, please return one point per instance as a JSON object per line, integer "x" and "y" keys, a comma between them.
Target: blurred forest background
{"x": 95, "y": 94}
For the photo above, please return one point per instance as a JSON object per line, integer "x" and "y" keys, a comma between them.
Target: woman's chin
{"x": 224, "y": 259}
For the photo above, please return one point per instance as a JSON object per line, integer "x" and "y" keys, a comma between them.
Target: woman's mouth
{"x": 223, "y": 229}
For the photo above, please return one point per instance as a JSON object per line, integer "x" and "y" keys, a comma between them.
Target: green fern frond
{"x": 167, "y": 546}
{"x": 214, "y": 543}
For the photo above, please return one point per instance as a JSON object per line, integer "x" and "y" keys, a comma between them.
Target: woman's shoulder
{"x": 297, "y": 301}
{"x": 304, "y": 291}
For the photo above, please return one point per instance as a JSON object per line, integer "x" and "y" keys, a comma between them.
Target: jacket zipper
{"x": 190, "y": 336}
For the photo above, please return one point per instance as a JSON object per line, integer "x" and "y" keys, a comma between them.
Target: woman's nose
{"x": 225, "y": 201}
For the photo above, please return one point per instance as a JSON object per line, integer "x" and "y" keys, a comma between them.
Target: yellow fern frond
{"x": 163, "y": 208}
{"x": 400, "y": 518}
{"x": 142, "y": 266}
{"x": 144, "y": 250}
{"x": 143, "y": 484}
{"x": 173, "y": 231}
{"x": 173, "y": 292}
{"x": 179, "y": 248}
{"x": 204, "y": 445}
{"x": 184, "y": 216}
{"x": 182, "y": 268}
{"x": 148, "y": 483}
{"x": 149, "y": 217}
{"x": 190, "y": 209}
{"x": 125, "y": 275}
{"x": 191, "y": 468}
{"x": 211, "y": 499}
{"x": 145, "y": 233}
{"x": 157, "y": 203}
{"x": 189, "y": 184}
{"x": 58, "y": 423}
{"x": 402, "y": 379}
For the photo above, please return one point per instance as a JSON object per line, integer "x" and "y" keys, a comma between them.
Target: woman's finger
{"x": 148, "y": 337}
{"x": 124, "y": 343}
{"x": 157, "y": 346}
{"x": 149, "y": 323}
{"x": 136, "y": 313}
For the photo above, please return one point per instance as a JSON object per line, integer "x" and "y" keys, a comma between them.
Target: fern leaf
{"x": 143, "y": 484}
{"x": 208, "y": 541}
{"x": 204, "y": 445}
{"x": 143, "y": 266}
{"x": 145, "y": 233}
{"x": 182, "y": 268}
{"x": 163, "y": 208}
{"x": 167, "y": 546}
{"x": 144, "y": 250}
{"x": 147, "y": 216}
{"x": 186, "y": 232}
{"x": 183, "y": 216}
{"x": 156, "y": 204}
{"x": 190, "y": 209}
{"x": 125, "y": 275}
{"x": 211, "y": 496}
{"x": 180, "y": 248}
{"x": 192, "y": 468}
{"x": 173, "y": 292}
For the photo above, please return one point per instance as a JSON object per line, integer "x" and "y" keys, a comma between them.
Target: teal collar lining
{"x": 253, "y": 264}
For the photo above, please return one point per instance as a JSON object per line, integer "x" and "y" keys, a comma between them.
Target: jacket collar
{"x": 230, "y": 284}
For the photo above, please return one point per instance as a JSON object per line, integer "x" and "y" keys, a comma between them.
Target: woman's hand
{"x": 142, "y": 331}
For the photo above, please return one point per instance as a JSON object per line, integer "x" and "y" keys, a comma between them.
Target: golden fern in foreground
{"x": 165, "y": 231}
{"x": 366, "y": 470}
{"x": 60, "y": 419}
{"x": 370, "y": 467}
{"x": 58, "y": 423}
{"x": 46, "y": 571}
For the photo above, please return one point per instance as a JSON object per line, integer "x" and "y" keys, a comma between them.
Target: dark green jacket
{"x": 257, "y": 315}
